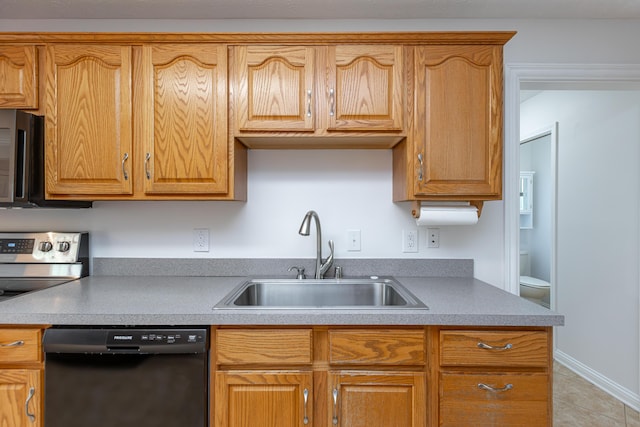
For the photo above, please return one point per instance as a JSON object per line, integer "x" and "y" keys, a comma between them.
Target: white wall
{"x": 266, "y": 226}
{"x": 598, "y": 247}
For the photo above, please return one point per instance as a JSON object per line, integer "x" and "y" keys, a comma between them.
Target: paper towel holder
{"x": 415, "y": 208}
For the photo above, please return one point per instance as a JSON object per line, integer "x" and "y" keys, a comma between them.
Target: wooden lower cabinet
{"x": 263, "y": 399}
{"x": 20, "y": 394}
{"x": 490, "y": 399}
{"x": 377, "y": 399}
{"x": 21, "y": 377}
{"x": 383, "y": 376}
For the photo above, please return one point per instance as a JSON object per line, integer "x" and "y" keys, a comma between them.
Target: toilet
{"x": 532, "y": 288}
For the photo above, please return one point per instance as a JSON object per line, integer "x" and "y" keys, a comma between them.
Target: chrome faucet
{"x": 305, "y": 228}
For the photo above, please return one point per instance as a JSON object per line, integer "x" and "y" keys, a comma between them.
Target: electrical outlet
{"x": 410, "y": 240}
{"x": 353, "y": 240}
{"x": 433, "y": 237}
{"x": 201, "y": 240}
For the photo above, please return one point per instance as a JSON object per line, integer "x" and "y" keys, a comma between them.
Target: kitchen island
{"x": 476, "y": 356}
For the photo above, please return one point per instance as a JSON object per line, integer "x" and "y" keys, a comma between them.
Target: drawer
{"x": 20, "y": 345}
{"x": 494, "y": 348}
{"x": 264, "y": 346}
{"x": 379, "y": 347}
{"x": 516, "y": 399}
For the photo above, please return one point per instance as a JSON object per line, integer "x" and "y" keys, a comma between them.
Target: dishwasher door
{"x": 126, "y": 378}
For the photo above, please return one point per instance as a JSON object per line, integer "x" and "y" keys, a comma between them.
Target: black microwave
{"x": 22, "y": 163}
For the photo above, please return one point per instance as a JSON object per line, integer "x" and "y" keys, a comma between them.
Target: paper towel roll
{"x": 447, "y": 215}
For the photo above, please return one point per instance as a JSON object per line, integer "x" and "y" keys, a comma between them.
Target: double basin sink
{"x": 320, "y": 293}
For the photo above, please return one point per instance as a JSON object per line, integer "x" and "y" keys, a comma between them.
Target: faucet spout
{"x": 305, "y": 229}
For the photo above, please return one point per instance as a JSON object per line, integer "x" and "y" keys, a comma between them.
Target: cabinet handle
{"x": 335, "y": 406}
{"x": 332, "y": 102}
{"x": 32, "y": 417}
{"x": 146, "y": 165}
{"x": 309, "y": 103}
{"x": 124, "y": 171}
{"x": 420, "y": 170}
{"x": 484, "y": 346}
{"x": 305, "y": 394}
{"x": 19, "y": 343}
{"x": 487, "y": 387}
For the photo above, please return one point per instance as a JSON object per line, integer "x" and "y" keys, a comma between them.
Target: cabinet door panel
{"x": 368, "y": 88}
{"x": 263, "y": 399}
{"x": 20, "y": 392}
{"x": 459, "y": 120}
{"x": 184, "y": 119}
{"x": 88, "y": 120}
{"x": 275, "y": 88}
{"x": 18, "y": 77}
{"x": 377, "y": 399}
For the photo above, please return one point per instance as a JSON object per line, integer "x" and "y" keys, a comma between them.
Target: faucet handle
{"x": 299, "y": 272}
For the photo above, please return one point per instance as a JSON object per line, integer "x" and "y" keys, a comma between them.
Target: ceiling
{"x": 319, "y": 9}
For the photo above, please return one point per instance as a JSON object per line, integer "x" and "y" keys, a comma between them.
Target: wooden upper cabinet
{"x": 323, "y": 91}
{"x": 276, "y": 88}
{"x": 18, "y": 77}
{"x": 182, "y": 119}
{"x": 457, "y": 147}
{"x": 88, "y": 145}
{"x": 366, "y": 87}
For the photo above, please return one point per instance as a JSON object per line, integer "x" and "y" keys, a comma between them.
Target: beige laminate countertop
{"x": 163, "y": 300}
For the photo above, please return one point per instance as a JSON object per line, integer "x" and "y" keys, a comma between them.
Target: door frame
{"x": 551, "y": 76}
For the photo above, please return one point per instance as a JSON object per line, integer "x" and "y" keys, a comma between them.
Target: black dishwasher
{"x": 126, "y": 377}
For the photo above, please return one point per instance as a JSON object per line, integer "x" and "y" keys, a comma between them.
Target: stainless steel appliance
{"x": 22, "y": 163}
{"x": 33, "y": 261}
{"x": 126, "y": 377}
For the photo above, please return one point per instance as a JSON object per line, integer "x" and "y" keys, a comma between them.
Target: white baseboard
{"x": 623, "y": 394}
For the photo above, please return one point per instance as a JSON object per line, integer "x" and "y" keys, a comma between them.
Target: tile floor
{"x": 578, "y": 403}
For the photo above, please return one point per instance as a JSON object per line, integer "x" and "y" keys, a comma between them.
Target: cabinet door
{"x": 377, "y": 399}
{"x": 275, "y": 88}
{"x": 183, "y": 119}
{"x": 366, "y": 88}
{"x": 458, "y": 123}
{"x": 20, "y": 394}
{"x": 18, "y": 77}
{"x": 88, "y": 120}
{"x": 263, "y": 399}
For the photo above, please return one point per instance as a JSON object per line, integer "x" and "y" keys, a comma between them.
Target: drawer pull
{"x": 487, "y": 387}
{"x": 19, "y": 343}
{"x": 305, "y": 395}
{"x": 484, "y": 346}
{"x": 32, "y": 417}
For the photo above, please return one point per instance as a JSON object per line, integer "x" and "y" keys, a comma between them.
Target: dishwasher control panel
{"x": 124, "y": 340}
{"x": 155, "y": 337}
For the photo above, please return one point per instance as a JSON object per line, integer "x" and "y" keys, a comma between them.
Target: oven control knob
{"x": 46, "y": 246}
{"x": 64, "y": 246}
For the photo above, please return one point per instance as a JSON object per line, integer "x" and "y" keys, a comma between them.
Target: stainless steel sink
{"x": 320, "y": 293}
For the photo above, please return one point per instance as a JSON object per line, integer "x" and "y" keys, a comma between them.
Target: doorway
{"x": 598, "y": 217}
{"x": 537, "y": 204}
